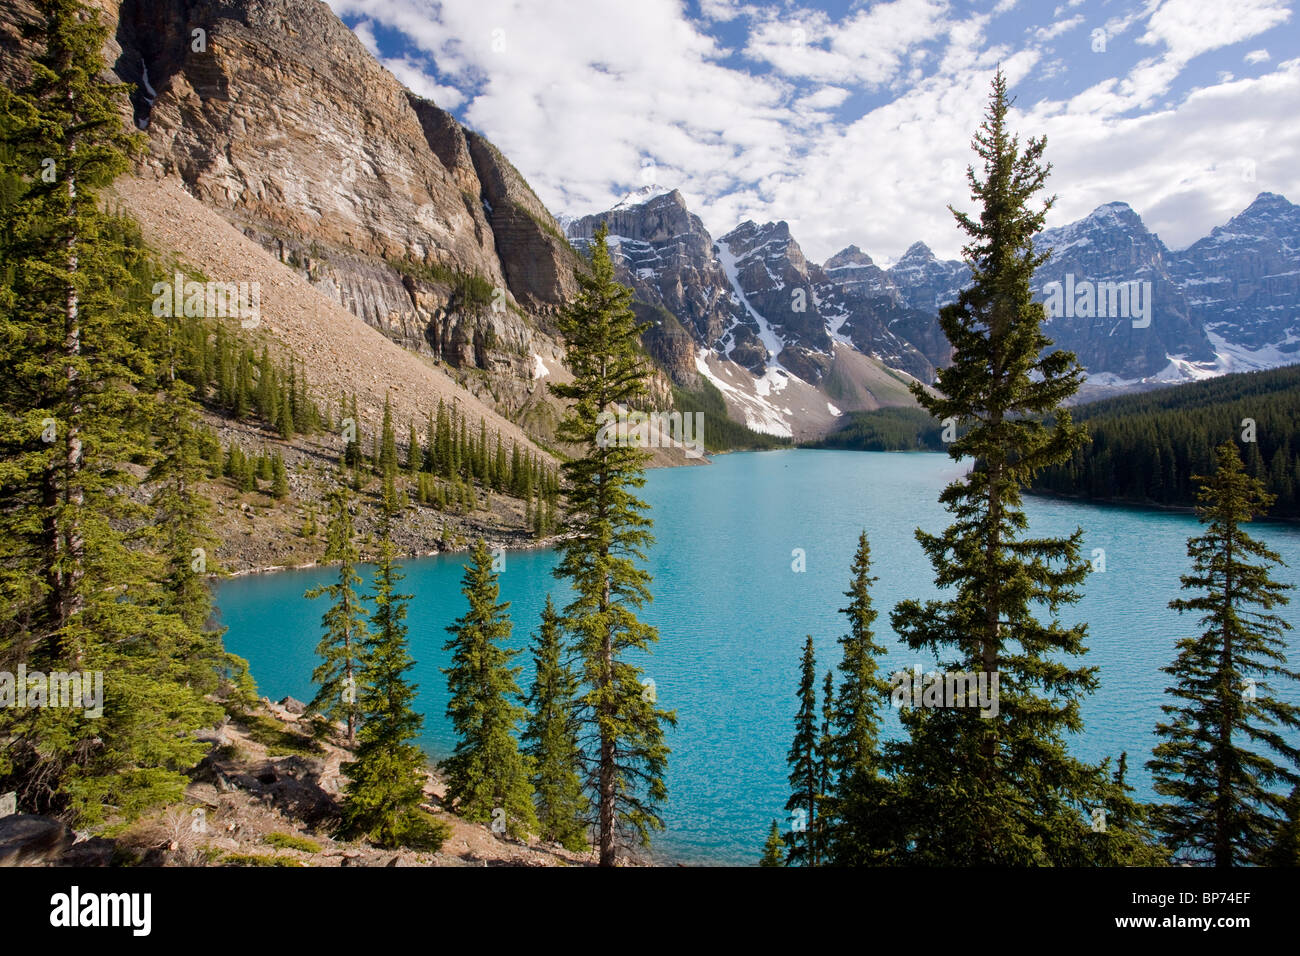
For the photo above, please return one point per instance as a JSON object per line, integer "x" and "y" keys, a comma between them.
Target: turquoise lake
{"x": 732, "y": 615}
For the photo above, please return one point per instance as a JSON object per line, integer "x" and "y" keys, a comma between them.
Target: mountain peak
{"x": 916, "y": 252}
{"x": 639, "y": 197}
{"x": 849, "y": 256}
{"x": 1267, "y": 204}
{"x": 1115, "y": 214}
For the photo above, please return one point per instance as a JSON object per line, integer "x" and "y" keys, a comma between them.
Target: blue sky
{"x": 852, "y": 121}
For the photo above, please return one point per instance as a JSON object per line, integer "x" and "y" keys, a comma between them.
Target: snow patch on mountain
{"x": 766, "y": 334}
{"x": 638, "y": 197}
{"x": 760, "y": 414}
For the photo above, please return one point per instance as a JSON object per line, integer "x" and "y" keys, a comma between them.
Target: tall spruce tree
{"x": 607, "y": 536}
{"x": 859, "y": 808}
{"x": 1213, "y": 762}
{"x": 487, "y": 775}
{"x": 385, "y": 782}
{"x": 84, "y": 588}
{"x": 551, "y": 739}
{"x": 1000, "y": 789}
{"x": 774, "y": 848}
{"x": 1284, "y": 849}
{"x": 342, "y": 645}
{"x": 803, "y": 760}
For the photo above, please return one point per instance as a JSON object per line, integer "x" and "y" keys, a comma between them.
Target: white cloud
{"x": 1057, "y": 28}
{"x": 412, "y": 76}
{"x": 1256, "y": 56}
{"x": 579, "y": 94}
{"x": 365, "y": 31}
{"x": 868, "y": 47}
{"x": 1188, "y": 28}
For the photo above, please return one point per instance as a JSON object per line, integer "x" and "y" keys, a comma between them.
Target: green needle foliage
{"x": 1213, "y": 761}
{"x": 385, "y": 787}
{"x": 342, "y": 645}
{"x": 774, "y": 848}
{"x": 857, "y": 807}
{"x": 85, "y": 586}
{"x": 1000, "y": 790}
{"x": 487, "y": 776}
{"x": 551, "y": 738}
{"x": 805, "y": 771}
{"x": 607, "y": 536}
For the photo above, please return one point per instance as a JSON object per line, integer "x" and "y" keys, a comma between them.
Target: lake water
{"x": 732, "y": 615}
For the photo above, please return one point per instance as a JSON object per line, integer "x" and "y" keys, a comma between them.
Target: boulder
{"x": 29, "y": 840}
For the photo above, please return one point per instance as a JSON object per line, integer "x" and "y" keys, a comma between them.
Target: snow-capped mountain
{"x": 1242, "y": 283}
{"x": 751, "y": 314}
{"x": 1132, "y": 311}
{"x": 1152, "y": 334}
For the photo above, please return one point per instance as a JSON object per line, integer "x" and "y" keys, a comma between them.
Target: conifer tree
{"x": 1001, "y": 788}
{"x": 487, "y": 775}
{"x": 551, "y": 739}
{"x": 1213, "y": 762}
{"x": 279, "y": 478}
{"x": 414, "y": 456}
{"x": 352, "y": 455}
{"x": 608, "y": 532}
{"x": 385, "y": 782}
{"x": 826, "y": 774}
{"x": 773, "y": 849}
{"x": 342, "y": 646}
{"x": 854, "y": 819}
{"x": 1284, "y": 850}
{"x": 805, "y": 776}
{"x": 430, "y": 463}
{"x": 79, "y": 396}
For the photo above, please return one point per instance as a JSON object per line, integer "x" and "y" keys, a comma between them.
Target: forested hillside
{"x": 1147, "y": 448}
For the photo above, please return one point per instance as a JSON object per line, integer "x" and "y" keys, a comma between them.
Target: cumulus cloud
{"x": 1057, "y": 28}
{"x": 584, "y": 96}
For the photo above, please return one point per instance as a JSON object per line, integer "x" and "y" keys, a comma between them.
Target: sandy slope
{"x": 341, "y": 353}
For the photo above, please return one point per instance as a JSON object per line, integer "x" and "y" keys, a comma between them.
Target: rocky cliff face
{"x": 276, "y": 115}
{"x": 273, "y": 113}
{"x": 753, "y": 316}
{"x": 1112, "y": 245}
{"x": 775, "y": 283}
{"x": 865, "y": 309}
{"x": 1243, "y": 280}
{"x": 666, "y": 255}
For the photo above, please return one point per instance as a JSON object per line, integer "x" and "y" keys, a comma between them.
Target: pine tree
{"x": 414, "y": 456}
{"x": 1284, "y": 850}
{"x": 82, "y": 392}
{"x": 284, "y": 418}
{"x": 279, "y": 478}
{"x": 430, "y": 463}
{"x": 608, "y": 532}
{"x": 352, "y": 455}
{"x": 858, "y": 806}
{"x": 805, "y": 782}
{"x": 385, "y": 782}
{"x": 826, "y": 774}
{"x": 773, "y": 849}
{"x": 342, "y": 646}
{"x": 487, "y": 776}
{"x": 1213, "y": 761}
{"x": 551, "y": 738}
{"x": 1000, "y": 789}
